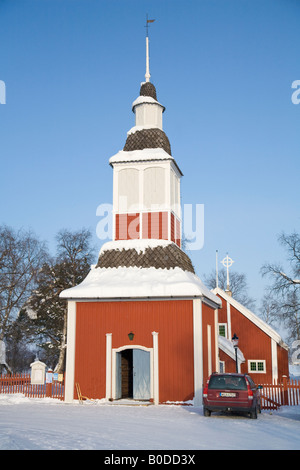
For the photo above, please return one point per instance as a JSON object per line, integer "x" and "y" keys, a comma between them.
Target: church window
{"x": 223, "y": 329}
{"x": 257, "y": 366}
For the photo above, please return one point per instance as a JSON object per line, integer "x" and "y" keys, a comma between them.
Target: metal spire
{"x": 147, "y": 74}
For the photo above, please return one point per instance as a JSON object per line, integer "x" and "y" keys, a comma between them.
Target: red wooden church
{"x": 142, "y": 325}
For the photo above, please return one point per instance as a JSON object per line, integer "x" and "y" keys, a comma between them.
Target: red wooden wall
{"x": 127, "y": 226}
{"x": 283, "y": 362}
{"x": 173, "y": 320}
{"x": 254, "y": 343}
{"x": 154, "y": 226}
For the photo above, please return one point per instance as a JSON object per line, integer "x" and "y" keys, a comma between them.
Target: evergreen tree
{"x": 19, "y": 353}
{"x": 45, "y": 322}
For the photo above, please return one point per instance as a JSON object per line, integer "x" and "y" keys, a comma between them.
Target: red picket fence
{"x": 15, "y": 383}
{"x": 283, "y": 393}
{"x": 21, "y": 383}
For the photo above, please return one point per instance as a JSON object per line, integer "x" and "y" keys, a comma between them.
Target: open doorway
{"x": 133, "y": 374}
{"x": 126, "y": 374}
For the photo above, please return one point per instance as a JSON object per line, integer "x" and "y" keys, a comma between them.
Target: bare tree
{"x": 268, "y": 310}
{"x": 21, "y": 256}
{"x": 282, "y": 282}
{"x": 285, "y": 288}
{"x": 238, "y": 286}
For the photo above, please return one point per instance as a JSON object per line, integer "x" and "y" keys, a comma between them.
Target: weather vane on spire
{"x": 147, "y": 74}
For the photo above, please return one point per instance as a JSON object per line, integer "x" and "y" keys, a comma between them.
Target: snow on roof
{"x": 38, "y": 362}
{"x": 144, "y": 254}
{"x": 139, "y": 245}
{"x": 227, "y": 346}
{"x": 139, "y": 128}
{"x": 145, "y": 99}
{"x": 135, "y": 282}
{"x": 140, "y": 155}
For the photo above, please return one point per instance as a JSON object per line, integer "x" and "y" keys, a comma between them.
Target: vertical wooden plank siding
{"x": 173, "y": 320}
{"x": 228, "y": 362}
{"x": 283, "y": 362}
{"x": 253, "y": 342}
{"x": 127, "y": 226}
{"x": 178, "y": 236}
{"x": 172, "y": 227}
{"x": 163, "y": 234}
{"x": 208, "y": 319}
{"x": 155, "y": 225}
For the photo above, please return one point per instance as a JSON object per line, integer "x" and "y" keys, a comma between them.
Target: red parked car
{"x": 231, "y": 392}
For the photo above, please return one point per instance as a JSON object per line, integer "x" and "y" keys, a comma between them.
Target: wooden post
{"x": 49, "y": 385}
{"x": 285, "y": 397}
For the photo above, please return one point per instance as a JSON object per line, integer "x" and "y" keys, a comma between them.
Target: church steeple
{"x": 148, "y": 129}
{"x": 146, "y": 194}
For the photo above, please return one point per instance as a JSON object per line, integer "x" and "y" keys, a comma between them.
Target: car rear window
{"x": 223, "y": 382}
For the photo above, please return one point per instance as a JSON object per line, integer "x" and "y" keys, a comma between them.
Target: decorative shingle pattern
{"x": 147, "y": 139}
{"x": 164, "y": 257}
{"x": 148, "y": 89}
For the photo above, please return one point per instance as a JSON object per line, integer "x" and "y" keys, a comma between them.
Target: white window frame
{"x": 256, "y": 371}
{"x": 225, "y": 325}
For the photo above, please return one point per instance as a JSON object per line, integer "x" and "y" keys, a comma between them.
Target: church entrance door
{"x": 133, "y": 374}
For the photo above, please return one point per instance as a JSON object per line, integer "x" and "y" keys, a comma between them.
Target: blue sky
{"x": 222, "y": 68}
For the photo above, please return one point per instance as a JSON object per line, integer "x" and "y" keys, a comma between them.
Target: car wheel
{"x": 206, "y": 412}
{"x": 253, "y": 413}
{"x": 259, "y": 408}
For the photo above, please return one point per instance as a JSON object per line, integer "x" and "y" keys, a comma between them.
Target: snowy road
{"x": 50, "y": 424}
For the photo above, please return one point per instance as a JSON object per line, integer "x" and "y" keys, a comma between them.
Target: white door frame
{"x": 111, "y": 359}
{"x": 114, "y": 362}
{"x": 114, "y": 352}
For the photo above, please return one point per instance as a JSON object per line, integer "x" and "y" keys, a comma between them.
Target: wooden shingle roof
{"x": 147, "y": 139}
{"x": 164, "y": 257}
{"x": 148, "y": 89}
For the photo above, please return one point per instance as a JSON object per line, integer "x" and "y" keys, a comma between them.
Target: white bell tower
{"x": 146, "y": 179}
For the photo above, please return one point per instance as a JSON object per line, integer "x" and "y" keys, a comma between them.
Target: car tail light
{"x": 250, "y": 393}
{"x": 205, "y": 390}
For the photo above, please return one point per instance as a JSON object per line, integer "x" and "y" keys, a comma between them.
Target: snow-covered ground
{"x": 27, "y": 423}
